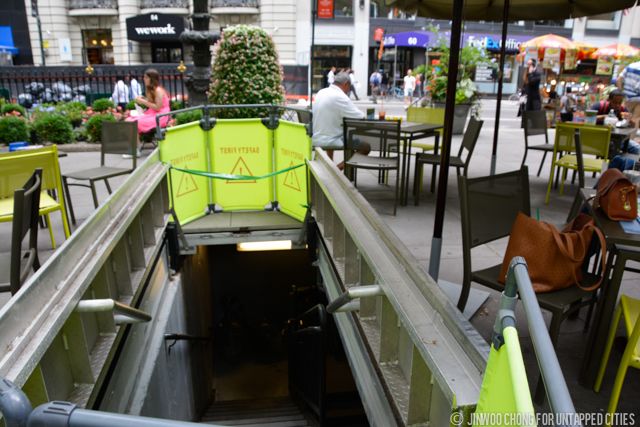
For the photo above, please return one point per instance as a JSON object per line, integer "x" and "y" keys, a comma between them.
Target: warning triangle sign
{"x": 241, "y": 168}
{"x": 291, "y": 179}
{"x": 187, "y": 184}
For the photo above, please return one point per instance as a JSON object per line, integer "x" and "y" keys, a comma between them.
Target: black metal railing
{"x": 93, "y": 4}
{"x": 156, "y": 4}
{"x": 234, "y": 3}
{"x": 307, "y": 359}
{"x": 29, "y": 85}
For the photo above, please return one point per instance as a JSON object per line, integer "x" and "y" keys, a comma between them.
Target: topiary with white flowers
{"x": 246, "y": 70}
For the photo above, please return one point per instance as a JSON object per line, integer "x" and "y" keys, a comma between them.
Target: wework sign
{"x": 155, "y": 27}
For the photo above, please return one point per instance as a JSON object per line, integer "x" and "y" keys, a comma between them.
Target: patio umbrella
{"x": 585, "y": 49}
{"x": 487, "y": 10}
{"x": 549, "y": 40}
{"x": 617, "y": 50}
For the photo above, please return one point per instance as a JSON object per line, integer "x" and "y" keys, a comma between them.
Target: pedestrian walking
{"x": 354, "y": 85}
{"x": 331, "y": 76}
{"x": 409, "y": 86}
{"x": 120, "y": 95}
{"x": 375, "y": 80}
{"x": 532, "y": 80}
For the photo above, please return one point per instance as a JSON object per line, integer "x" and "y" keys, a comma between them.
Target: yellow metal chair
{"x": 425, "y": 115}
{"x": 594, "y": 141}
{"x": 16, "y": 168}
{"x": 629, "y": 309}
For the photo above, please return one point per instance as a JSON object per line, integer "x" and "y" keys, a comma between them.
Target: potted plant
{"x": 467, "y": 97}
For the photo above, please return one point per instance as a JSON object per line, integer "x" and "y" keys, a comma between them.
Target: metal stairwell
{"x": 274, "y": 412}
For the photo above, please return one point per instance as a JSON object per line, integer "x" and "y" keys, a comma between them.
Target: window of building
{"x": 343, "y": 8}
{"x": 604, "y": 21}
{"x": 378, "y": 9}
{"x": 325, "y": 57}
{"x": 166, "y": 53}
{"x": 97, "y": 46}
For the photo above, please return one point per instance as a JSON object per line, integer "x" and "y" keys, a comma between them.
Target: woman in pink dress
{"x": 156, "y": 101}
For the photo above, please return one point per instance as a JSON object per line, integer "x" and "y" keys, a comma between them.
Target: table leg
{"x": 603, "y": 315}
{"x": 434, "y": 168}
{"x": 402, "y": 172}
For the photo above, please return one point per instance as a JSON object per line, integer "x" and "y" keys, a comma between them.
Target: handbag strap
{"x": 565, "y": 245}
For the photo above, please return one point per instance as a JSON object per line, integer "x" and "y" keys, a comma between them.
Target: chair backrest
{"x": 564, "y": 139}
{"x": 378, "y": 133}
{"x": 425, "y": 115}
{"x": 119, "y": 138}
{"x": 26, "y": 207}
{"x": 489, "y": 205}
{"x": 535, "y": 123}
{"x": 16, "y": 168}
{"x": 470, "y": 138}
{"x": 595, "y": 140}
{"x": 304, "y": 116}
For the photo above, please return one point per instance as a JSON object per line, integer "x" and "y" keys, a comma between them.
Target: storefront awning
{"x": 155, "y": 27}
{"x": 407, "y": 39}
{"x": 6, "y": 41}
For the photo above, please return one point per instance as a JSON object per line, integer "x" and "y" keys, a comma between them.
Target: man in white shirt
{"x": 136, "y": 89}
{"x": 409, "y": 86}
{"x": 330, "y": 107}
{"x": 331, "y": 76}
{"x": 120, "y": 95}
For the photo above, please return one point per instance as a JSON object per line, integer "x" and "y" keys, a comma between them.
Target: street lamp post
{"x": 35, "y": 14}
{"x": 313, "y": 39}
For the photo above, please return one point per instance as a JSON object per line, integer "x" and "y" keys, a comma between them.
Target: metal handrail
{"x": 557, "y": 391}
{"x": 344, "y": 302}
{"x": 17, "y": 412}
{"x": 122, "y": 312}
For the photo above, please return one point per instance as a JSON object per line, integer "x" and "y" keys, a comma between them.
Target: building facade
{"x": 122, "y": 32}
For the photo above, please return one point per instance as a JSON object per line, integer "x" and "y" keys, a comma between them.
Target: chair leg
{"x": 434, "y": 173}
{"x": 524, "y": 158}
{"x": 94, "y": 194}
{"x": 51, "y": 236}
{"x": 65, "y": 186}
{"x": 546, "y": 199}
{"x": 564, "y": 178}
{"x": 106, "y": 183}
{"x": 544, "y": 157}
{"x": 607, "y": 348}
{"x": 464, "y": 295}
{"x": 622, "y": 372}
{"x": 395, "y": 200}
{"x": 417, "y": 181}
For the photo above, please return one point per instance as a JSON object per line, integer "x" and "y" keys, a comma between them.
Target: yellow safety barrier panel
{"x": 292, "y": 146}
{"x": 185, "y": 147}
{"x": 242, "y": 147}
{"x": 504, "y": 398}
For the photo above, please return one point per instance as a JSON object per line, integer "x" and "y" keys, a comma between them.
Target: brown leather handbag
{"x": 617, "y": 196}
{"x": 554, "y": 258}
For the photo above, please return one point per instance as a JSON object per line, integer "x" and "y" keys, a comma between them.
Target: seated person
{"x": 331, "y": 106}
{"x": 156, "y": 102}
{"x": 616, "y": 103}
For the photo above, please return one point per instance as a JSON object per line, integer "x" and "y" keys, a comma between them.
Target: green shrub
{"x": 94, "y": 126}
{"x": 8, "y": 108}
{"x": 131, "y": 105}
{"x": 73, "y": 110}
{"x": 80, "y": 134}
{"x": 54, "y": 128}
{"x": 188, "y": 117}
{"x": 13, "y": 129}
{"x": 102, "y": 104}
{"x": 176, "y": 105}
{"x": 246, "y": 71}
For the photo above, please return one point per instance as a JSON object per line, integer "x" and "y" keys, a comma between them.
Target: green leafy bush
{"x": 13, "y": 129}
{"x": 54, "y": 128}
{"x": 188, "y": 117}
{"x": 94, "y": 126}
{"x": 8, "y": 108}
{"x": 131, "y": 105}
{"x": 246, "y": 71}
{"x": 176, "y": 105}
{"x": 102, "y": 104}
{"x": 73, "y": 110}
{"x": 80, "y": 134}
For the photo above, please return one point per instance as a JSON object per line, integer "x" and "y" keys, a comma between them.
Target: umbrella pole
{"x": 503, "y": 48}
{"x": 445, "y": 156}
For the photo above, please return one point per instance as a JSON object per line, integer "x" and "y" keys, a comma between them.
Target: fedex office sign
{"x": 489, "y": 43}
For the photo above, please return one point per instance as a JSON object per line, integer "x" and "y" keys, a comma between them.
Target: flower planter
{"x": 461, "y": 112}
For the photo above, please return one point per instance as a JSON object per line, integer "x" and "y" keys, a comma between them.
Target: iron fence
{"x": 29, "y": 85}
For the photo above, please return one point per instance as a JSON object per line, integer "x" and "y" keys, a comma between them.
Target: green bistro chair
{"x": 26, "y": 203}
{"x": 535, "y": 124}
{"x": 426, "y": 115}
{"x": 594, "y": 141}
